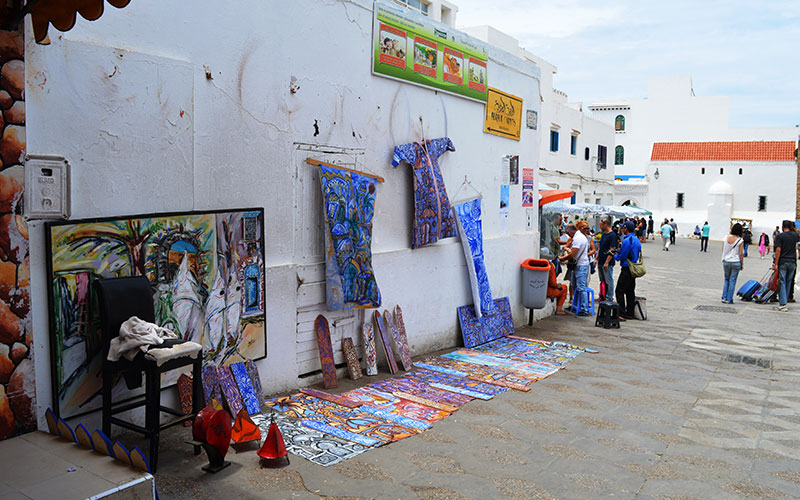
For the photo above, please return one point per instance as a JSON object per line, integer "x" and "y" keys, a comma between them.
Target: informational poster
{"x": 531, "y": 119}
{"x": 412, "y": 47}
{"x": 505, "y": 198}
{"x": 513, "y": 169}
{"x": 505, "y": 170}
{"x": 527, "y": 187}
{"x": 503, "y": 114}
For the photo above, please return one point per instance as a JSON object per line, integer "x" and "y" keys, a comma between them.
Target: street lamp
{"x": 656, "y": 174}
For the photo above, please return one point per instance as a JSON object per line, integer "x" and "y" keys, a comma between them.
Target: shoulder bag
{"x": 637, "y": 268}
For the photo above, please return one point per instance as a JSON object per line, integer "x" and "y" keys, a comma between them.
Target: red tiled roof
{"x": 724, "y": 151}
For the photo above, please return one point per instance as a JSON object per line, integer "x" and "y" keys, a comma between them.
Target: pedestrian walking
{"x": 747, "y": 238}
{"x": 580, "y": 253}
{"x": 732, "y": 262}
{"x": 785, "y": 263}
{"x": 630, "y": 250}
{"x": 763, "y": 244}
{"x": 650, "y": 227}
{"x": 666, "y": 234}
{"x": 704, "y": 232}
{"x": 674, "y": 231}
{"x": 605, "y": 259}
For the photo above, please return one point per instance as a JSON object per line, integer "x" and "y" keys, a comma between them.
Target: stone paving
{"x": 688, "y": 404}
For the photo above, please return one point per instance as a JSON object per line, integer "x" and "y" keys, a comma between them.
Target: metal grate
{"x": 719, "y": 309}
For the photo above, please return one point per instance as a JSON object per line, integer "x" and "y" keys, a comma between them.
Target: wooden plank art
{"x": 405, "y": 352}
{"x": 526, "y": 368}
{"x": 421, "y": 389}
{"x": 138, "y": 460}
{"x": 255, "y": 379}
{"x": 65, "y": 431}
{"x": 427, "y": 402}
{"x": 387, "y": 346}
{"x": 325, "y": 352}
{"x": 121, "y": 454}
{"x": 206, "y": 271}
{"x": 478, "y": 390}
{"x": 314, "y": 446}
{"x": 211, "y": 389}
{"x": 251, "y": 401}
{"x": 339, "y": 399}
{"x": 185, "y": 396}
{"x": 387, "y": 319}
{"x": 229, "y": 389}
{"x": 370, "y": 353}
{"x": 353, "y": 364}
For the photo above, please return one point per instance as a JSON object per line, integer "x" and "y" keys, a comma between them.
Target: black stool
{"x": 607, "y": 315}
{"x": 119, "y": 299}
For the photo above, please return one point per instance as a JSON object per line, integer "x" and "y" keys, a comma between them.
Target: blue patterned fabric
{"x": 497, "y": 323}
{"x": 432, "y": 217}
{"x": 393, "y": 417}
{"x": 349, "y": 204}
{"x": 341, "y": 433}
{"x": 470, "y": 228}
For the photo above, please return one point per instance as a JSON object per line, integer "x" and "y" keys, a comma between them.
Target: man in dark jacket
{"x": 626, "y": 286}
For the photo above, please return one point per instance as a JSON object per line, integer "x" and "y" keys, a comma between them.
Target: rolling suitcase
{"x": 768, "y": 289}
{"x": 747, "y": 290}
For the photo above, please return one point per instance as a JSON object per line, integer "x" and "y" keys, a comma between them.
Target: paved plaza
{"x": 688, "y": 404}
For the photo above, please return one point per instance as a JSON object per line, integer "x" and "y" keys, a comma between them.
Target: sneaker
{"x": 781, "y": 308}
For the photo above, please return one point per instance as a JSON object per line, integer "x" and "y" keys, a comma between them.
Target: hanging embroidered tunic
{"x": 433, "y": 218}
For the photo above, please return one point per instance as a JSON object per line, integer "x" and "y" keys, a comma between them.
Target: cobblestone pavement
{"x": 689, "y": 404}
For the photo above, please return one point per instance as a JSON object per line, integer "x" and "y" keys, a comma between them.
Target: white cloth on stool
{"x": 137, "y": 335}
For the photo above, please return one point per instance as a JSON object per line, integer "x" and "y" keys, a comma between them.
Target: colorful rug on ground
{"x": 321, "y": 428}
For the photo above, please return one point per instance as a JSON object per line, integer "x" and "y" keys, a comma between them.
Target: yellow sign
{"x": 503, "y": 114}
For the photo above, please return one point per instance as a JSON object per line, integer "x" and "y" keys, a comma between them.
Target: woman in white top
{"x": 732, "y": 262}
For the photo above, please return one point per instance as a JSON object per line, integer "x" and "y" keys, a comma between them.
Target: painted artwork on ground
{"x": 551, "y": 353}
{"x": 421, "y": 389}
{"x": 470, "y": 229}
{"x": 206, "y": 272}
{"x": 461, "y": 385}
{"x": 391, "y": 403}
{"x": 528, "y": 368}
{"x": 321, "y": 449}
{"x": 348, "y": 200}
{"x": 489, "y": 374}
{"x": 494, "y": 324}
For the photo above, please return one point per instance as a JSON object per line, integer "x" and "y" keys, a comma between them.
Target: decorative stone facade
{"x": 17, "y": 386}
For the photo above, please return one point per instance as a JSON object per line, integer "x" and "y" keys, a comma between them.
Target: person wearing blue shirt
{"x": 704, "y": 237}
{"x": 626, "y": 285}
{"x": 605, "y": 260}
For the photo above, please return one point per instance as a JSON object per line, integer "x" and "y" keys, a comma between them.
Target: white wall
{"x": 775, "y": 180}
{"x": 126, "y": 99}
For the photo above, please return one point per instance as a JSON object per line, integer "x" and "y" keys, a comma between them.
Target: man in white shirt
{"x": 580, "y": 253}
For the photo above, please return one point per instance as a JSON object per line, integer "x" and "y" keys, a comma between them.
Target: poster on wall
{"x": 411, "y": 47}
{"x": 505, "y": 199}
{"x": 527, "y": 187}
{"x": 503, "y": 114}
{"x": 513, "y": 169}
{"x": 206, "y": 271}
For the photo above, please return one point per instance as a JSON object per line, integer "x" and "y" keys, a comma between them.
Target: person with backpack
{"x": 732, "y": 262}
{"x": 629, "y": 252}
{"x": 747, "y": 238}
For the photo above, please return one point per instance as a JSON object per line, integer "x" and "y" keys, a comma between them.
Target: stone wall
{"x": 17, "y": 389}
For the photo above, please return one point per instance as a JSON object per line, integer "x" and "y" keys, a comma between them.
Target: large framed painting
{"x": 206, "y": 271}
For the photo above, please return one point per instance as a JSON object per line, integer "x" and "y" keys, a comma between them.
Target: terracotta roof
{"x": 724, "y": 151}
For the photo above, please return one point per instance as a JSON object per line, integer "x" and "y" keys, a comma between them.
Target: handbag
{"x": 637, "y": 268}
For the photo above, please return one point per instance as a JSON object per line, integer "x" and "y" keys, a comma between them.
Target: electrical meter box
{"x": 47, "y": 187}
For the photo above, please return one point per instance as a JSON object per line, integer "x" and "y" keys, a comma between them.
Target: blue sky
{"x": 748, "y": 50}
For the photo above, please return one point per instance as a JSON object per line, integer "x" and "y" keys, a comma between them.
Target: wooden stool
{"x": 607, "y": 315}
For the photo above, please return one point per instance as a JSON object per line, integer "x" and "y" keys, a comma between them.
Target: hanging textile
{"x": 432, "y": 217}
{"x": 470, "y": 229}
{"x": 348, "y": 200}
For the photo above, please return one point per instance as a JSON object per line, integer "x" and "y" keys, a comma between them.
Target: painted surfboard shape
{"x": 350, "y": 354}
{"x": 65, "y": 431}
{"x": 121, "y": 454}
{"x": 370, "y": 354}
{"x": 52, "y": 425}
{"x": 325, "y": 352}
{"x": 405, "y": 352}
{"x": 138, "y": 460}
{"x": 83, "y": 438}
{"x": 102, "y": 444}
{"x": 387, "y": 346}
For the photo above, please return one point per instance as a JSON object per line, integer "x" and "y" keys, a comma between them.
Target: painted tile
{"x": 494, "y": 324}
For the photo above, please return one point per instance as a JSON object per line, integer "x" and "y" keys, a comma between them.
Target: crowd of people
{"x": 578, "y": 252}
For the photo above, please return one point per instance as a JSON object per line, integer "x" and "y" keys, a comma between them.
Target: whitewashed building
{"x": 575, "y": 150}
{"x": 675, "y": 181}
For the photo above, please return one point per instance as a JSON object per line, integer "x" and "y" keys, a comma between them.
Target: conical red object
{"x": 244, "y": 429}
{"x": 273, "y": 453}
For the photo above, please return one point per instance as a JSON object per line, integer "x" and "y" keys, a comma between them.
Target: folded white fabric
{"x": 137, "y": 334}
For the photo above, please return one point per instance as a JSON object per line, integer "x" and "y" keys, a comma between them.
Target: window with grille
{"x": 602, "y": 153}
{"x": 619, "y": 155}
{"x": 619, "y": 123}
{"x": 679, "y": 201}
{"x": 762, "y": 203}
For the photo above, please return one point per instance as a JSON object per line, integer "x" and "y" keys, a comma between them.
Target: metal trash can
{"x": 535, "y": 274}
